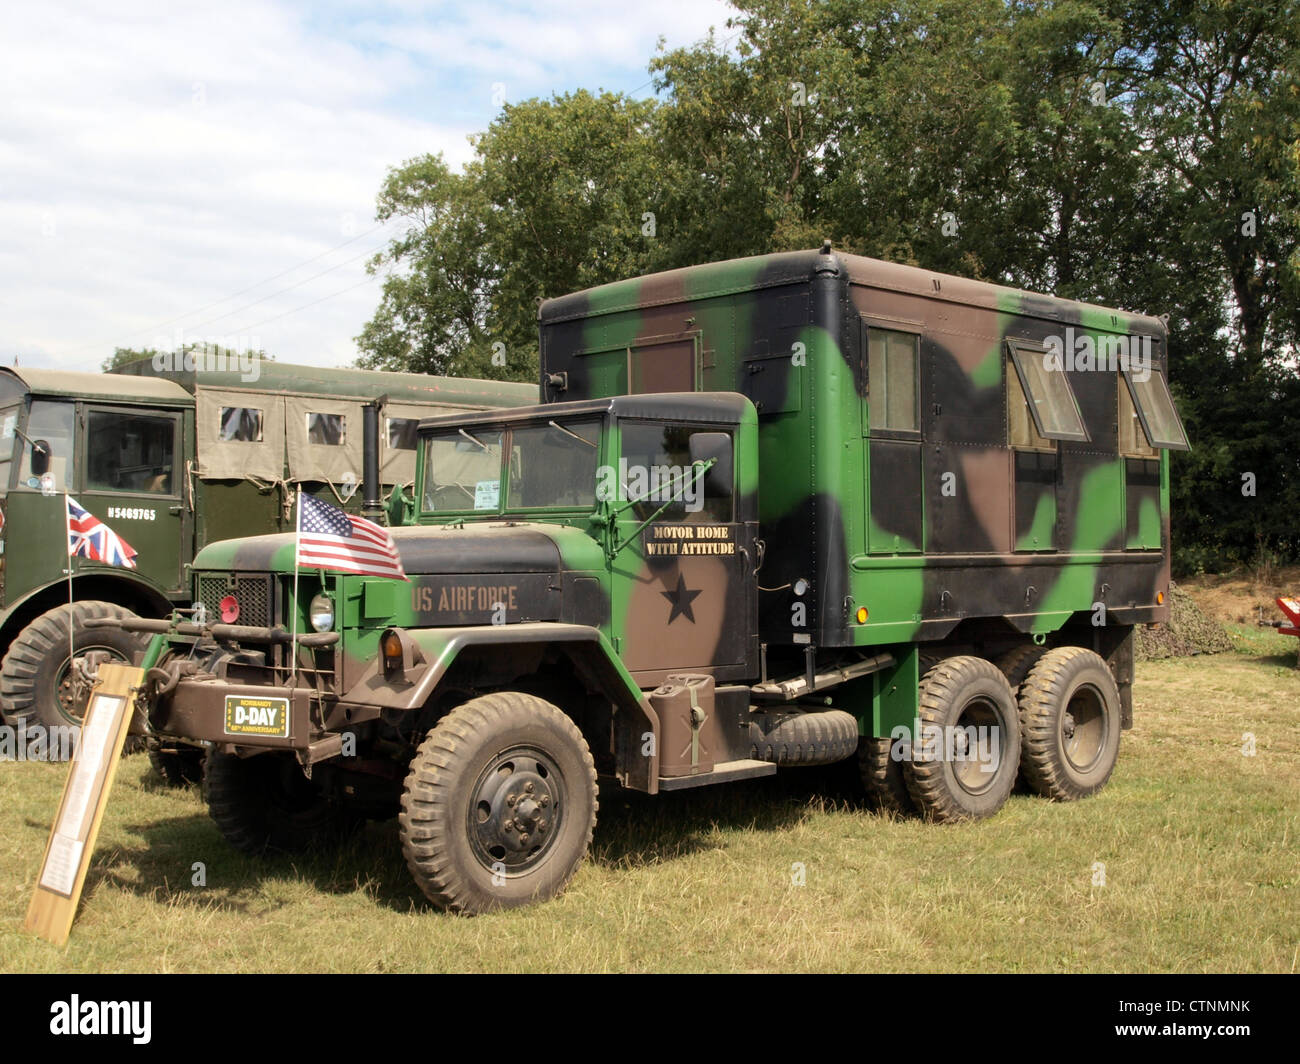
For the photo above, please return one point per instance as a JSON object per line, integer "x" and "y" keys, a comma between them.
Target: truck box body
{"x": 901, "y": 468}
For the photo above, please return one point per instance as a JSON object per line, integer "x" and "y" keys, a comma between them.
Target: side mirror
{"x": 40, "y": 458}
{"x": 717, "y": 446}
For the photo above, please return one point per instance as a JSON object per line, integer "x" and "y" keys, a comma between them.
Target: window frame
{"x": 1016, "y": 346}
{"x": 1160, "y": 445}
{"x": 343, "y": 428}
{"x": 1123, "y": 399}
{"x": 84, "y": 415}
{"x": 1040, "y": 444}
{"x": 422, "y": 472}
{"x": 507, "y": 452}
{"x": 261, "y": 424}
{"x": 629, "y": 512}
{"x": 503, "y": 506}
{"x": 76, "y": 450}
{"x": 388, "y": 432}
{"x": 867, "y": 323}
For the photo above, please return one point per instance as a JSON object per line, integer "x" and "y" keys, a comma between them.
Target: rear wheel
{"x": 37, "y": 682}
{"x": 499, "y": 804}
{"x": 1015, "y": 664}
{"x": 963, "y": 764}
{"x": 1070, "y": 724}
{"x": 882, "y": 776}
{"x": 265, "y": 804}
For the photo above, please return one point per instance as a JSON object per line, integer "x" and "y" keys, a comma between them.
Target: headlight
{"x": 321, "y": 613}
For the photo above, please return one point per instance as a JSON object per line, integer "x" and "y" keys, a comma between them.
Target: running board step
{"x": 723, "y": 772}
{"x": 798, "y": 687}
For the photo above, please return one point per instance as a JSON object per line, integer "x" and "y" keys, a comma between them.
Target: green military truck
{"x": 172, "y": 460}
{"x": 772, "y": 512}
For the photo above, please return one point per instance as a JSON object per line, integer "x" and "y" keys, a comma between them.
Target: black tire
{"x": 36, "y": 683}
{"x": 947, "y": 781}
{"x": 469, "y": 838}
{"x": 882, "y": 776}
{"x": 791, "y": 739}
{"x": 880, "y": 772}
{"x": 265, "y": 804}
{"x": 178, "y": 765}
{"x": 1016, "y": 663}
{"x": 1069, "y": 723}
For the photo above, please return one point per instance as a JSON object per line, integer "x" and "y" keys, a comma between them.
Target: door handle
{"x": 174, "y": 509}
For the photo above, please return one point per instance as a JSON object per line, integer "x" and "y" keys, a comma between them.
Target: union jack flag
{"x": 89, "y": 537}
{"x": 330, "y": 539}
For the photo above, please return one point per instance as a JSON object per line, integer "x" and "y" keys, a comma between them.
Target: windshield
{"x": 551, "y": 465}
{"x": 51, "y": 424}
{"x": 8, "y": 439}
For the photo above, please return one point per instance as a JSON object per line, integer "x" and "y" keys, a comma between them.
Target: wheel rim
{"x": 1084, "y": 728}
{"x": 975, "y": 746}
{"x": 70, "y": 706}
{"x": 516, "y": 810}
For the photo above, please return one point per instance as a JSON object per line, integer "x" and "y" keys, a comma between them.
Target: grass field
{"x": 1198, "y": 843}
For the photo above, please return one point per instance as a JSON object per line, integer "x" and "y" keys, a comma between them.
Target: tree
{"x": 1133, "y": 153}
{"x": 123, "y": 355}
{"x": 562, "y": 194}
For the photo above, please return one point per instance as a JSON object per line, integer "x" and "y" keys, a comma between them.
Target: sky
{"x": 175, "y": 172}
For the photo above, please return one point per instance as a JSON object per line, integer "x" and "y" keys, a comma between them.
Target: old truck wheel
{"x": 177, "y": 764}
{"x": 963, "y": 764}
{"x": 37, "y": 684}
{"x": 882, "y": 776}
{"x": 265, "y": 804}
{"x": 1016, "y": 663}
{"x": 499, "y": 804}
{"x": 1070, "y": 724}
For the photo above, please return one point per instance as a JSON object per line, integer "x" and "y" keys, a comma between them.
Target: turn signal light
{"x": 1160, "y": 598}
{"x": 862, "y": 615}
{"x": 390, "y": 646}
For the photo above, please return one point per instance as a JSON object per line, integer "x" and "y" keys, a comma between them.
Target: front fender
{"x": 587, "y": 649}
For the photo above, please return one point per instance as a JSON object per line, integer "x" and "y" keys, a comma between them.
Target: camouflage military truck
{"x": 172, "y": 461}
{"x": 773, "y": 512}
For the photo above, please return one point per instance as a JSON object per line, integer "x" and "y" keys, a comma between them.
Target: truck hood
{"x": 496, "y": 547}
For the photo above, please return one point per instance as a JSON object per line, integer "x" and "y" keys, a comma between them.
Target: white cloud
{"x": 154, "y": 159}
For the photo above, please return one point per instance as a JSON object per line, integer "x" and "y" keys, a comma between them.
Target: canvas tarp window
{"x": 331, "y": 461}
{"x": 397, "y": 464}
{"x": 231, "y": 459}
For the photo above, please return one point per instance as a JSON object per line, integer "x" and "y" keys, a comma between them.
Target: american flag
{"x": 89, "y": 537}
{"x": 330, "y": 539}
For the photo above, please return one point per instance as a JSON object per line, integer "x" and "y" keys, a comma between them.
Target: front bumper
{"x": 190, "y": 697}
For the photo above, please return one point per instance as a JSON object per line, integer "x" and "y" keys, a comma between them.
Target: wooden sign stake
{"x": 72, "y": 838}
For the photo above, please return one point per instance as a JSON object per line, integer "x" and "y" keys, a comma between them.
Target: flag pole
{"x": 67, "y": 549}
{"x": 293, "y": 639}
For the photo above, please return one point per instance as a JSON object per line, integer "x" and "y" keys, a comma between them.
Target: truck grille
{"x": 253, "y": 593}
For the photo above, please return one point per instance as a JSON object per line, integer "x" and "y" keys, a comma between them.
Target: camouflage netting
{"x": 1188, "y": 632}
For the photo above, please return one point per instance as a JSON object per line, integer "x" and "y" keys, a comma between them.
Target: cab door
{"x": 133, "y": 480}
{"x": 682, "y": 587}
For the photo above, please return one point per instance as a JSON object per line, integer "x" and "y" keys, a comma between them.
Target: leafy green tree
{"x": 1135, "y": 153}
{"x": 123, "y": 355}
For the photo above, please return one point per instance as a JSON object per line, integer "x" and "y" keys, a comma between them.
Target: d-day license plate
{"x": 267, "y": 717}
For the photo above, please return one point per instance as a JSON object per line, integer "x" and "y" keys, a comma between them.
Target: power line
{"x": 290, "y": 288}
{"x": 341, "y": 291}
{"x": 226, "y": 299}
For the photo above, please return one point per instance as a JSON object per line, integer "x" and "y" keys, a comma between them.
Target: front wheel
{"x": 499, "y": 804}
{"x": 37, "y": 682}
{"x": 265, "y": 804}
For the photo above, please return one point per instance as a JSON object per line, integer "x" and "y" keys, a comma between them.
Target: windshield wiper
{"x": 477, "y": 442}
{"x": 561, "y": 428}
{"x": 700, "y": 469}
